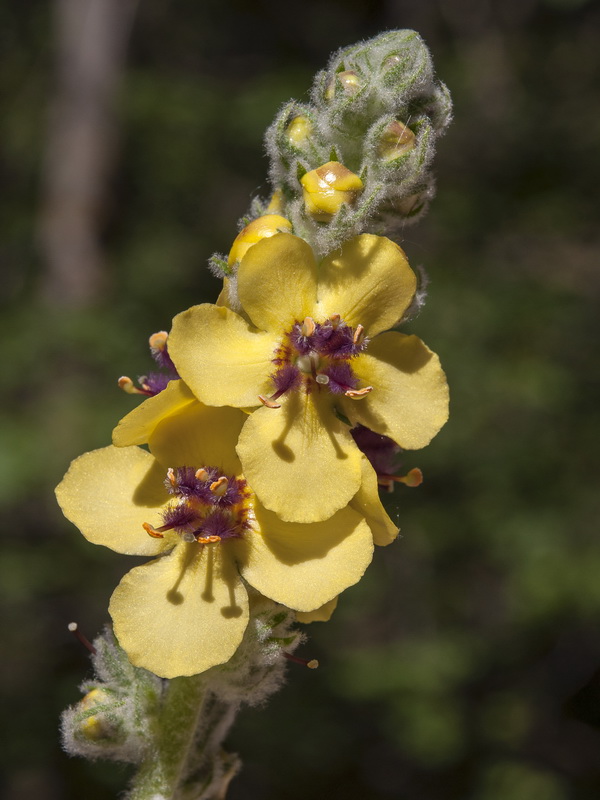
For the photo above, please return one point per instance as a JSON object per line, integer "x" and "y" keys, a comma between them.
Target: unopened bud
{"x": 95, "y": 727}
{"x": 259, "y": 228}
{"x": 327, "y": 188}
{"x": 275, "y": 203}
{"x": 348, "y": 80}
{"x": 396, "y": 141}
{"x": 298, "y": 131}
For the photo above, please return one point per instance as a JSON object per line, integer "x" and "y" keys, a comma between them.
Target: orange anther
{"x": 267, "y": 402}
{"x": 358, "y": 394}
{"x": 152, "y": 531}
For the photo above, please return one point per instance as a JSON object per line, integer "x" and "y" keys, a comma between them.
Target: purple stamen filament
{"x": 207, "y": 506}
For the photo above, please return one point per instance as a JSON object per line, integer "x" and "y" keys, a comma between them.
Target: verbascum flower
{"x": 310, "y": 346}
{"x": 139, "y": 426}
{"x": 188, "y": 503}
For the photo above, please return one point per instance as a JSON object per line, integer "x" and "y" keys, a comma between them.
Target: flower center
{"x": 317, "y": 356}
{"x": 207, "y": 506}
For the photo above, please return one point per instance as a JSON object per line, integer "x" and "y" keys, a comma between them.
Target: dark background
{"x": 466, "y": 665}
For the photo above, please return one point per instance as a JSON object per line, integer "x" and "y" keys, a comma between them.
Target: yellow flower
{"x": 327, "y": 188}
{"x": 139, "y": 425}
{"x": 187, "y": 503}
{"x": 304, "y": 348}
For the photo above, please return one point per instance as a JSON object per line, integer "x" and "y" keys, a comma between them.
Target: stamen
{"x": 126, "y": 384}
{"x": 158, "y": 340}
{"x": 413, "y": 478}
{"x": 268, "y": 402}
{"x": 311, "y": 663}
{"x": 201, "y": 474}
{"x": 220, "y": 486}
{"x": 358, "y": 394}
{"x": 322, "y": 379}
{"x": 308, "y": 326}
{"x": 152, "y": 531}
{"x": 208, "y": 539}
{"x": 74, "y": 628}
{"x": 171, "y": 477}
{"x": 359, "y": 334}
{"x": 335, "y": 320}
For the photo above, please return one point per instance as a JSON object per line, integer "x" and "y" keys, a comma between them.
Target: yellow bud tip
{"x": 201, "y": 474}
{"x": 126, "y": 384}
{"x": 308, "y": 326}
{"x": 259, "y": 228}
{"x": 358, "y": 394}
{"x": 327, "y": 188}
{"x": 298, "y": 131}
{"x": 396, "y": 140}
{"x": 220, "y": 486}
{"x": 151, "y": 531}
{"x": 158, "y": 340}
{"x": 349, "y": 80}
{"x": 313, "y": 664}
{"x": 276, "y": 203}
{"x": 268, "y": 403}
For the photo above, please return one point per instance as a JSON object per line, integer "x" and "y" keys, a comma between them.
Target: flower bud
{"x": 96, "y": 727}
{"x": 396, "y": 141}
{"x": 348, "y": 80}
{"x": 327, "y": 188}
{"x": 298, "y": 131}
{"x": 275, "y": 203}
{"x": 259, "y": 228}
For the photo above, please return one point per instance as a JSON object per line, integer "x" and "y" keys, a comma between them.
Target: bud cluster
{"x": 356, "y": 158}
{"x": 119, "y": 716}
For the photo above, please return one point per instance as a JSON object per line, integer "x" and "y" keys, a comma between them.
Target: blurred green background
{"x": 466, "y": 665}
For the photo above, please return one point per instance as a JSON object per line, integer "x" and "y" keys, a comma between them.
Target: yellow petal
{"x": 224, "y": 361}
{"x": 409, "y": 401}
{"x": 181, "y": 614}
{"x": 367, "y": 502}
{"x": 199, "y": 436}
{"x": 110, "y": 493}
{"x": 137, "y": 426}
{"x": 277, "y": 282}
{"x": 322, "y": 614}
{"x": 304, "y": 566}
{"x": 367, "y": 281}
{"x": 299, "y": 459}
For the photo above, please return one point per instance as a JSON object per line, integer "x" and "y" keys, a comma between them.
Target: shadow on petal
{"x": 151, "y": 492}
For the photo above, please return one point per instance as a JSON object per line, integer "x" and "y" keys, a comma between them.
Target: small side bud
{"x": 298, "y": 131}
{"x": 260, "y": 228}
{"x": 396, "y": 141}
{"x": 347, "y": 79}
{"x": 329, "y": 187}
{"x": 275, "y": 203}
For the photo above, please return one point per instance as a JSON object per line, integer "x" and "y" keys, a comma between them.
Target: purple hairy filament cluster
{"x": 207, "y": 506}
{"x": 383, "y": 454}
{"x": 154, "y": 382}
{"x": 317, "y": 356}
